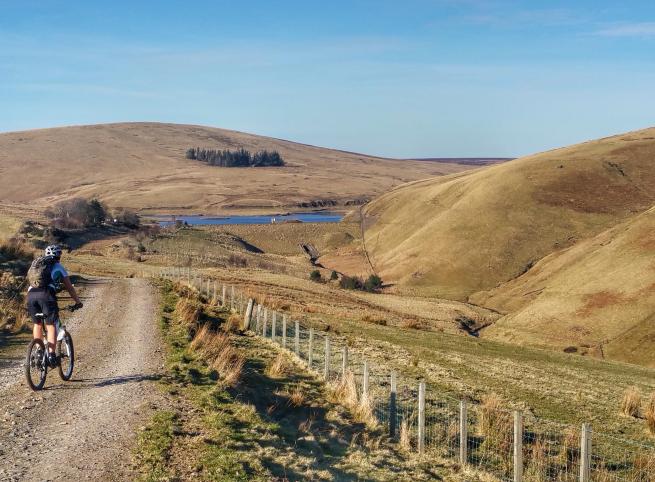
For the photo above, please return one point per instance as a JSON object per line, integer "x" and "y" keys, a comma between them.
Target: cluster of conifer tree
{"x": 238, "y": 158}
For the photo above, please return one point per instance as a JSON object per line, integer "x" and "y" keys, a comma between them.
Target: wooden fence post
{"x": 215, "y": 297}
{"x": 392, "y": 406}
{"x": 518, "y": 446}
{"x": 310, "y": 349}
{"x": 246, "y": 318}
{"x": 265, "y": 322}
{"x": 463, "y": 433}
{"x": 296, "y": 340}
{"x": 421, "y": 418}
{"x": 259, "y": 319}
{"x": 284, "y": 331}
{"x": 224, "y": 297}
{"x": 365, "y": 381}
{"x": 273, "y": 326}
{"x": 344, "y": 362}
{"x": 585, "y": 453}
{"x": 232, "y": 298}
{"x": 326, "y": 371}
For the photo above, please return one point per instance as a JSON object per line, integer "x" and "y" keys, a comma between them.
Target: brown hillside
{"x": 460, "y": 234}
{"x": 597, "y": 296}
{"x": 143, "y": 165}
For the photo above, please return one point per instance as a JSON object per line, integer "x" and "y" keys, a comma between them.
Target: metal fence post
{"x": 310, "y": 349}
{"x": 326, "y": 371}
{"x": 518, "y": 446}
{"x": 585, "y": 453}
{"x": 344, "y": 362}
{"x": 273, "y": 326}
{"x": 392, "y": 406}
{"x": 296, "y": 340}
{"x": 284, "y": 331}
{"x": 463, "y": 433}
{"x": 365, "y": 381}
{"x": 421, "y": 418}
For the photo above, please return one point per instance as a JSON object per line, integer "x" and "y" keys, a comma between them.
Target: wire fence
{"x": 485, "y": 436}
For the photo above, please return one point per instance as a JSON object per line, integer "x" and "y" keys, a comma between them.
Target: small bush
{"x": 316, "y": 276}
{"x": 631, "y": 402}
{"x": 373, "y": 283}
{"x": 237, "y": 261}
{"x": 334, "y": 275}
{"x": 351, "y": 283}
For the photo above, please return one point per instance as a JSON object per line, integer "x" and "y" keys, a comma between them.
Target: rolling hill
{"x": 597, "y": 296}
{"x": 455, "y": 235}
{"x": 143, "y": 166}
{"x": 560, "y": 242}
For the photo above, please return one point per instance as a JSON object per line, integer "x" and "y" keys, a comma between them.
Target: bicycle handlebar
{"x": 74, "y": 307}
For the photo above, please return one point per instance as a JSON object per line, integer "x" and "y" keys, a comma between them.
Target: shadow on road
{"x": 99, "y": 382}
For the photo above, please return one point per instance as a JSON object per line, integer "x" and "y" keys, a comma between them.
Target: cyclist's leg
{"x": 51, "y": 312}
{"x": 52, "y": 337}
{"x": 34, "y": 307}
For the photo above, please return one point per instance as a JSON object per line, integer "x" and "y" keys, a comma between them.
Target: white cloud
{"x": 638, "y": 29}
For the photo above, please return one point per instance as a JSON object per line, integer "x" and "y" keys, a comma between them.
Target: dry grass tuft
{"x": 405, "y": 439}
{"x": 344, "y": 392}
{"x": 537, "y": 461}
{"x": 232, "y": 324}
{"x": 279, "y": 368}
{"x": 411, "y": 323}
{"x": 374, "y": 321}
{"x": 229, "y": 364}
{"x": 188, "y": 310}
{"x": 631, "y": 403}
{"x": 220, "y": 354}
{"x": 297, "y": 397}
{"x": 644, "y": 467}
{"x": 495, "y": 423}
{"x": 650, "y": 414}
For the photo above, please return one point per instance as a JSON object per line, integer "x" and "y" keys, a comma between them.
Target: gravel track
{"x": 84, "y": 429}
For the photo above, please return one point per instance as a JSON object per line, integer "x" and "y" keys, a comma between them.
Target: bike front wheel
{"x": 66, "y": 354}
{"x": 36, "y": 365}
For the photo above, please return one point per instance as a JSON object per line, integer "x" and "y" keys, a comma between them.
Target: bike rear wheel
{"x": 66, "y": 354}
{"x": 36, "y": 366}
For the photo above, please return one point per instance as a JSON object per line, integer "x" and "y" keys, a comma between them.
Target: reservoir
{"x": 196, "y": 220}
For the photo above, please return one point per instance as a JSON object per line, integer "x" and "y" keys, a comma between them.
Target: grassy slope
{"x": 142, "y": 165}
{"x": 456, "y": 235}
{"x": 600, "y": 292}
{"x": 252, "y": 431}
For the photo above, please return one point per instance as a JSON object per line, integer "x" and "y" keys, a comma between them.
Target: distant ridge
{"x": 466, "y": 161}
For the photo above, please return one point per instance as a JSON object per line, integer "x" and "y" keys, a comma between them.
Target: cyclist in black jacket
{"x": 44, "y": 300}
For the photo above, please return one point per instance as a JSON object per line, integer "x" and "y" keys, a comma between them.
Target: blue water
{"x": 320, "y": 217}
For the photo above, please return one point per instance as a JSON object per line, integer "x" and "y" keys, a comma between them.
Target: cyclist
{"x": 45, "y": 276}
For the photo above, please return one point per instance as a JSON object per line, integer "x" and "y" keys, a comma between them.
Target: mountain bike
{"x": 37, "y": 364}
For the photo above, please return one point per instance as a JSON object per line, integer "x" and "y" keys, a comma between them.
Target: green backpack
{"x": 40, "y": 273}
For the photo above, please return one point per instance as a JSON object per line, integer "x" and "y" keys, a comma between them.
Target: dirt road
{"x": 83, "y": 429}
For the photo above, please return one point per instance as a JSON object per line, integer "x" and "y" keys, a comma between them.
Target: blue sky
{"x": 396, "y": 78}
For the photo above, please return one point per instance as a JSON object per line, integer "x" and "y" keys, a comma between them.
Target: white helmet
{"x": 53, "y": 250}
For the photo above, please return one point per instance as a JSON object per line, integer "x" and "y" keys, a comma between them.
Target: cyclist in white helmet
{"x": 45, "y": 276}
